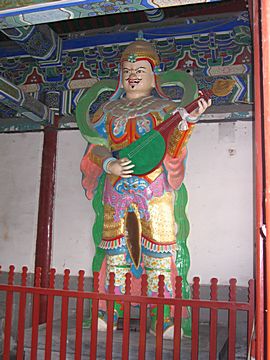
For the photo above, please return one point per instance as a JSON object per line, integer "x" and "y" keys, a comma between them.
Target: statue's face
{"x": 137, "y": 78}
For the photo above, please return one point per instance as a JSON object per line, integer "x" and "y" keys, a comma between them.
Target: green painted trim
{"x": 182, "y": 254}
{"x": 183, "y": 80}
{"x": 82, "y": 111}
{"x": 98, "y": 225}
{"x": 12, "y": 91}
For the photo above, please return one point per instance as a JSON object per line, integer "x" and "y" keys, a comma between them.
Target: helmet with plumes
{"x": 141, "y": 50}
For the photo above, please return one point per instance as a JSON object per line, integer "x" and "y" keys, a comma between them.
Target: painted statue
{"x": 138, "y": 231}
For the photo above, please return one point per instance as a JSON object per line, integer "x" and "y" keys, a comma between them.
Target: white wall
{"x": 219, "y": 179}
{"x": 74, "y": 216}
{"x": 20, "y": 159}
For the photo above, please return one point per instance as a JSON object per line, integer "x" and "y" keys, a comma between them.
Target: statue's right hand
{"x": 122, "y": 167}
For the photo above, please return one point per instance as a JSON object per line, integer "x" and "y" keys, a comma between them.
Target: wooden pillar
{"x": 258, "y": 148}
{"x": 265, "y": 16}
{"x": 45, "y": 212}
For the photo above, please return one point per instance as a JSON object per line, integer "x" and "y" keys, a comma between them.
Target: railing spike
{"x": 161, "y": 285}
{"x": 128, "y": 284}
{"x": 38, "y": 277}
{"x": 196, "y": 288}
{"x": 11, "y": 274}
{"x": 52, "y": 278}
{"x": 178, "y": 287}
{"x": 214, "y": 289}
{"x": 111, "y": 283}
{"x": 66, "y": 279}
{"x": 81, "y": 280}
{"x": 144, "y": 285}
{"x": 24, "y": 275}
{"x": 232, "y": 289}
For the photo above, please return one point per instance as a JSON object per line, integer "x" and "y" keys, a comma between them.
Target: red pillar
{"x": 259, "y": 242}
{"x": 265, "y": 16}
{"x": 45, "y": 212}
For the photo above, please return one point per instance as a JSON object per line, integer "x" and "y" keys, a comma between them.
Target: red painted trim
{"x": 21, "y": 320}
{"x": 126, "y": 328}
{"x": 45, "y": 212}
{"x": 232, "y": 322}
{"x": 35, "y": 321}
{"x": 213, "y": 322}
{"x": 110, "y": 310}
{"x": 177, "y": 320}
{"x": 79, "y": 318}
{"x": 8, "y": 324}
{"x": 143, "y": 320}
{"x": 265, "y": 16}
{"x": 8, "y": 317}
{"x": 259, "y": 252}
{"x": 94, "y": 323}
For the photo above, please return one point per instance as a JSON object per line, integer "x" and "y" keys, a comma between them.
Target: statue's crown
{"x": 140, "y": 50}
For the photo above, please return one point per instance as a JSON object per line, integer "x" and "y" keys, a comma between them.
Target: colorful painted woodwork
{"x": 30, "y": 12}
{"x": 223, "y": 51}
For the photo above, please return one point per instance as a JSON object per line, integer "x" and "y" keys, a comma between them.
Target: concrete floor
{"x": 134, "y": 342}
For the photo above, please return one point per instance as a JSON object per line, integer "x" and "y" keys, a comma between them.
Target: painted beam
{"x": 39, "y": 41}
{"x": 13, "y": 97}
{"x": 30, "y": 12}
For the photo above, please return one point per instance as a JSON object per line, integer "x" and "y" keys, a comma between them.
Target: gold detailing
{"x": 119, "y": 146}
{"x": 98, "y": 154}
{"x": 140, "y": 49}
{"x": 111, "y": 228}
{"x": 97, "y": 115}
{"x": 161, "y": 226}
{"x": 154, "y": 174}
{"x": 178, "y": 141}
{"x": 223, "y": 87}
{"x": 95, "y": 158}
{"x": 113, "y": 178}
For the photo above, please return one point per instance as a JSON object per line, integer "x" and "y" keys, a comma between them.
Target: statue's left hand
{"x": 122, "y": 167}
{"x": 202, "y": 106}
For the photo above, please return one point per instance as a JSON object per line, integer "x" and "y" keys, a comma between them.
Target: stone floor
{"x": 134, "y": 342}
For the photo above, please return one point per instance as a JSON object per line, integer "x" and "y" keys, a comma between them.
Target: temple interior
{"x": 49, "y": 58}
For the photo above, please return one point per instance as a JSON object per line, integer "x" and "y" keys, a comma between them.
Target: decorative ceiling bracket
{"x": 39, "y": 41}
{"x": 13, "y": 97}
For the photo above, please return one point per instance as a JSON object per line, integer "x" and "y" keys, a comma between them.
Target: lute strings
{"x": 162, "y": 129}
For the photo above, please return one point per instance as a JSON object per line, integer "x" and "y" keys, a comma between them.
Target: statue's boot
{"x": 168, "y": 325}
{"x": 103, "y": 317}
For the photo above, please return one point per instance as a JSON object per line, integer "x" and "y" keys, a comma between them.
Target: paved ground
{"x": 134, "y": 341}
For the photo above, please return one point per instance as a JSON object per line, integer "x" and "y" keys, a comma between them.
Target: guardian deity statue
{"x": 139, "y": 230}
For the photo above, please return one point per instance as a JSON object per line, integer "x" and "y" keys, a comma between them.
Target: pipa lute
{"x": 148, "y": 151}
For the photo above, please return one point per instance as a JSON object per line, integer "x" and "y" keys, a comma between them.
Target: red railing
{"x": 232, "y": 306}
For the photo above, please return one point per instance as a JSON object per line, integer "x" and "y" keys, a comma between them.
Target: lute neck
{"x": 166, "y": 126}
{"x": 204, "y": 94}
